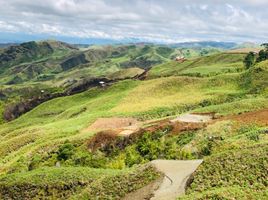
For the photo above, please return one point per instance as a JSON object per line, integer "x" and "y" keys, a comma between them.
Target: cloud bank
{"x": 146, "y": 20}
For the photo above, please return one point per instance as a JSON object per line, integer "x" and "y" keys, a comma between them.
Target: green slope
{"x": 205, "y": 66}
{"x": 75, "y": 182}
{"x": 30, "y": 145}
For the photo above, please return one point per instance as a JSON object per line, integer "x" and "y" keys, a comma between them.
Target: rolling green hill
{"x": 204, "y": 66}
{"x": 49, "y": 145}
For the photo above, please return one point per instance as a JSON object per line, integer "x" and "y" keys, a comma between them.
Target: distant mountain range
{"x": 205, "y": 44}
{"x": 4, "y": 45}
{"x": 201, "y": 44}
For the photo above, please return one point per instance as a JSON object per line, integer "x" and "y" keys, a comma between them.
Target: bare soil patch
{"x": 126, "y": 135}
{"x": 102, "y": 139}
{"x": 194, "y": 118}
{"x": 113, "y": 123}
{"x": 179, "y": 127}
{"x": 259, "y": 117}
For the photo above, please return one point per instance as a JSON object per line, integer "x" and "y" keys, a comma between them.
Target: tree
{"x": 263, "y": 55}
{"x": 265, "y": 45}
{"x": 250, "y": 60}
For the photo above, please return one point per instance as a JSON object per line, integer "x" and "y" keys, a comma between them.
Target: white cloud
{"x": 169, "y": 20}
{"x": 257, "y": 2}
{"x": 204, "y": 7}
{"x": 7, "y": 27}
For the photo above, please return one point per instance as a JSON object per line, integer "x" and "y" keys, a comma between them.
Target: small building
{"x": 180, "y": 59}
{"x": 102, "y": 83}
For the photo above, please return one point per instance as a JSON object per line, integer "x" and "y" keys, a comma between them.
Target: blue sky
{"x": 168, "y": 21}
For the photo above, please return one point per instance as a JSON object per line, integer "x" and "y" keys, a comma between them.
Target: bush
{"x": 250, "y": 60}
{"x": 254, "y": 135}
{"x": 66, "y": 151}
{"x": 85, "y": 158}
{"x": 132, "y": 156}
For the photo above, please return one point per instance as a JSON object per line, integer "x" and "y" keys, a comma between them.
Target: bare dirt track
{"x": 194, "y": 118}
{"x": 176, "y": 172}
{"x": 169, "y": 186}
{"x": 259, "y": 117}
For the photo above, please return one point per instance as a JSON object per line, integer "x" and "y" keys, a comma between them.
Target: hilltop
{"x": 77, "y": 123}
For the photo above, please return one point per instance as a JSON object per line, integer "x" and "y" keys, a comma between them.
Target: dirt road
{"x": 176, "y": 173}
{"x": 193, "y": 118}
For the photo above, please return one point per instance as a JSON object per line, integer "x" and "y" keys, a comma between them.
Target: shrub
{"x": 65, "y": 151}
{"x": 132, "y": 156}
{"x": 206, "y": 150}
{"x": 254, "y": 135}
{"x": 250, "y": 60}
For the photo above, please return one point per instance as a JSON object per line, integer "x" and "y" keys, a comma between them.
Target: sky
{"x": 161, "y": 21}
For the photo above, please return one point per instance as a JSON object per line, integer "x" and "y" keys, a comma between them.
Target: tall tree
{"x": 250, "y": 60}
{"x": 265, "y": 45}
{"x": 263, "y": 54}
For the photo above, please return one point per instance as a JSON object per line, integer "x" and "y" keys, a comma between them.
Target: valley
{"x": 78, "y": 123}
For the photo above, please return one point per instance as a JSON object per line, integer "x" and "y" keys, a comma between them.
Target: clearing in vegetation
{"x": 113, "y": 123}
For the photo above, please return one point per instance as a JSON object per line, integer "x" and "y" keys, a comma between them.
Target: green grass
{"x": 235, "y": 163}
{"x": 75, "y": 182}
{"x": 56, "y": 119}
{"x": 172, "y": 88}
{"x": 117, "y": 187}
{"x": 237, "y": 106}
{"x": 229, "y": 193}
{"x": 213, "y": 69}
{"x": 126, "y": 73}
{"x": 162, "y": 92}
{"x": 245, "y": 167}
{"x": 203, "y": 66}
{"x": 67, "y": 117}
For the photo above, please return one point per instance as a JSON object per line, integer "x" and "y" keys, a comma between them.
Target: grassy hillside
{"x": 75, "y": 182}
{"x": 56, "y": 132}
{"x": 200, "y": 67}
{"x": 235, "y": 165}
{"x": 57, "y": 68}
{"x": 65, "y": 118}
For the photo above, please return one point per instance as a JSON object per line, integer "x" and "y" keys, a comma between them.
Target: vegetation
{"x": 250, "y": 60}
{"x": 263, "y": 54}
{"x": 253, "y": 58}
{"x": 201, "y": 67}
{"x": 236, "y": 160}
{"x": 75, "y": 182}
{"x": 45, "y": 152}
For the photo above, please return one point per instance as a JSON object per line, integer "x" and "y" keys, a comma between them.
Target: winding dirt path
{"x": 176, "y": 173}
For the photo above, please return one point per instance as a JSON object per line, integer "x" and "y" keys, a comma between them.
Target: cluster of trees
{"x": 253, "y": 58}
